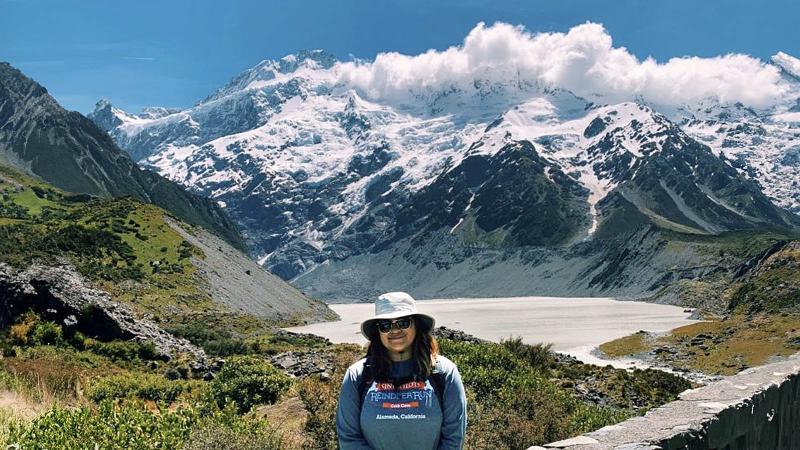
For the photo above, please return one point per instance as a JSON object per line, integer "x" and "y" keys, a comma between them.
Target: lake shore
{"x": 574, "y": 325}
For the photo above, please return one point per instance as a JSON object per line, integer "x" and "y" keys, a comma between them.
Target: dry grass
{"x": 289, "y": 418}
{"x": 743, "y": 342}
{"x": 638, "y": 342}
{"x": 729, "y": 345}
{"x": 42, "y": 381}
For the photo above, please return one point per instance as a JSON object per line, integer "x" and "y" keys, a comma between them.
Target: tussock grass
{"x": 730, "y": 345}
{"x": 745, "y": 342}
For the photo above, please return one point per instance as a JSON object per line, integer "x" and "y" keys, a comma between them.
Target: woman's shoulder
{"x": 356, "y": 369}
{"x": 445, "y": 365}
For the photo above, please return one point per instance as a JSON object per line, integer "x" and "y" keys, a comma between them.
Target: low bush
{"x": 514, "y": 404}
{"x": 129, "y": 351}
{"x": 46, "y": 333}
{"x": 214, "y": 341}
{"x": 9, "y": 420}
{"x": 538, "y": 356}
{"x": 319, "y": 399}
{"x": 20, "y": 332}
{"x": 248, "y": 381}
{"x": 30, "y": 329}
{"x": 143, "y": 386}
{"x": 131, "y": 426}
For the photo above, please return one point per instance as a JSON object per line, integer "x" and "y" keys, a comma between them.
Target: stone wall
{"x": 756, "y": 409}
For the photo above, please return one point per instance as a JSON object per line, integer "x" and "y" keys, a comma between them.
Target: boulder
{"x": 59, "y": 293}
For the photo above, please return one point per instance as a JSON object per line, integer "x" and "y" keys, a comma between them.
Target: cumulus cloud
{"x": 582, "y": 60}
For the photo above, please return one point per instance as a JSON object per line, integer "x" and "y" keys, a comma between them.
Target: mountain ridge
{"x": 69, "y": 151}
{"x": 327, "y": 174}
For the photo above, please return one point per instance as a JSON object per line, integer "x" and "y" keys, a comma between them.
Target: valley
{"x": 596, "y": 232}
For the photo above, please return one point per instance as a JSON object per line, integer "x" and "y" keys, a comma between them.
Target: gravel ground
{"x": 241, "y": 284}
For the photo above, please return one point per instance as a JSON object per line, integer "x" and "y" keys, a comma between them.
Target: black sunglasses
{"x": 385, "y": 326}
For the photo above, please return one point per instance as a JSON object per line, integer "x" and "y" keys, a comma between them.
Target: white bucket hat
{"x": 391, "y": 306}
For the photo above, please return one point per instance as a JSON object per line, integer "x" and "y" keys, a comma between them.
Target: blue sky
{"x": 176, "y": 52}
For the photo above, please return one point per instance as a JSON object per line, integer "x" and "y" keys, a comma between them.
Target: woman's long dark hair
{"x": 423, "y": 351}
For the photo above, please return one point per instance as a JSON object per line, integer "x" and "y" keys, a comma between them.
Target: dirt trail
{"x": 19, "y": 405}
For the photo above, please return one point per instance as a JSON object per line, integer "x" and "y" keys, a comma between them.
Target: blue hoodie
{"x": 405, "y": 417}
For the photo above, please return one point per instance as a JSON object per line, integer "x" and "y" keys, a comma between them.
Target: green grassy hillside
{"x": 121, "y": 245}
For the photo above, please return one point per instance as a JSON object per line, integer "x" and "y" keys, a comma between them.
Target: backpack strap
{"x": 364, "y": 380}
{"x": 437, "y": 382}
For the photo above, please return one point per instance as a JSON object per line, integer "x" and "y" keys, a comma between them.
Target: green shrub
{"x": 121, "y": 350}
{"x": 47, "y": 333}
{"x": 144, "y": 386}
{"x": 538, "y": 356}
{"x": 248, "y": 381}
{"x": 9, "y": 420}
{"x": 513, "y": 402}
{"x": 587, "y": 418}
{"x": 185, "y": 250}
{"x": 483, "y": 367}
{"x": 131, "y": 426}
{"x": 288, "y": 341}
{"x": 214, "y": 341}
{"x": 30, "y": 329}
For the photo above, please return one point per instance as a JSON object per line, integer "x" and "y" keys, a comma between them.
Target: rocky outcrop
{"x": 456, "y": 335}
{"x": 61, "y": 294}
{"x": 303, "y": 364}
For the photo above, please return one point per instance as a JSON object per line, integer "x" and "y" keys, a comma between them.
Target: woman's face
{"x": 398, "y": 341}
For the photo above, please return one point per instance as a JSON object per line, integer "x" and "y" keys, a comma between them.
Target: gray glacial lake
{"x": 575, "y": 326}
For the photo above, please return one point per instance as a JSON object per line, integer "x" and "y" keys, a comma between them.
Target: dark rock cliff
{"x": 61, "y": 294}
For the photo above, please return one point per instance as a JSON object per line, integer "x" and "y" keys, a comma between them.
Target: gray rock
{"x": 456, "y": 335}
{"x": 60, "y": 293}
{"x": 303, "y": 364}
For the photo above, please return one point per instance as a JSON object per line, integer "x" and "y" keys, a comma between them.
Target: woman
{"x": 403, "y": 395}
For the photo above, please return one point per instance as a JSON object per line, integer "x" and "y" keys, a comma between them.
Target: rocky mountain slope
{"x": 495, "y": 189}
{"x": 156, "y": 268}
{"x": 67, "y": 150}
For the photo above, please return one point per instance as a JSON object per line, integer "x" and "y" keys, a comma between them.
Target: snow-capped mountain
{"x": 334, "y": 187}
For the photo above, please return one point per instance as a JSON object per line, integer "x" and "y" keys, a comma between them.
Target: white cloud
{"x": 583, "y": 60}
